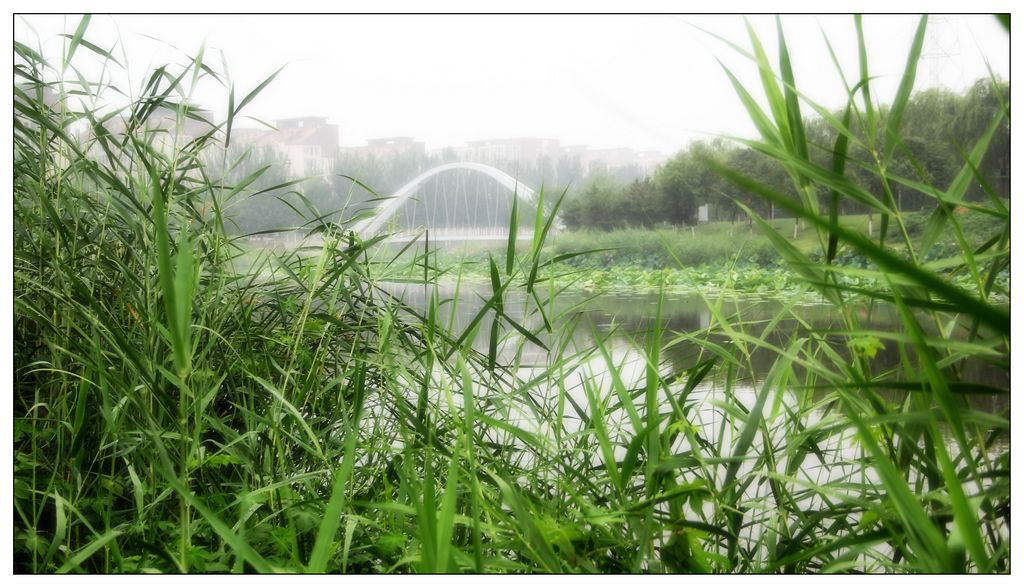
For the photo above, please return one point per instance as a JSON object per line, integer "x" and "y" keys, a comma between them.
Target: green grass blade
{"x": 513, "y": 235}
{"x": 76, "y": 39}
{"x": 992, "y": 316}
{"x": 86, "y": 552}
{"x": 924, "y": 536}
{"x": 776, "y": 102}
{"x": 237, "y": 543}
{"x": 446, "y": 516}
{"x": 865, "y": 82}
{"x": 342, "y": 477}
{"x": 794, "y": 118}
{"x": 764, "y": 125}
{"x": 838, "y": 168}
{"x": 958, "y": 187}
{"x": 899, "y": 104}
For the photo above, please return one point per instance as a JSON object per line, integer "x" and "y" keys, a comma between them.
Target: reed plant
{"x": 185, "y": 404}
{"x": 936, "y": 466}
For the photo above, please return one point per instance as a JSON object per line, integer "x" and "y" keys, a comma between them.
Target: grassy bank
{"x": 719, "y": 258}
{"x": 175, "y": 411}
{"x": 725, "y": 243}
{"x": 739, "y": 258}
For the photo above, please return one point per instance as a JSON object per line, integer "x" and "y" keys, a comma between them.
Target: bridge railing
{"x": 461, "y": 233}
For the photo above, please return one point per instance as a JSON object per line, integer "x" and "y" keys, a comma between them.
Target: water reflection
{"x": 623, "y": 322}
{"x": 569, "y": 389}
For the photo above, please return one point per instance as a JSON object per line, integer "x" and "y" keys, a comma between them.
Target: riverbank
{"x": 185, "y": 401}
{"x": 711, "y": 259}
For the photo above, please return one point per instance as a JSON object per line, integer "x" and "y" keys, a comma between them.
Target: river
{"x": 624, "y": 323}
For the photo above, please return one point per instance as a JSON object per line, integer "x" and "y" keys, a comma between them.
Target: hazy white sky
{"x": 646, "y": 82}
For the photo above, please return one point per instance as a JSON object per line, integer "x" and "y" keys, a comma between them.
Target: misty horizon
{"x": 648, "y": 83}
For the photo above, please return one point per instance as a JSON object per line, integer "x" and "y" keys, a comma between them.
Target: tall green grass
{"x": 948, "y": 500}
{"x": 181, "y": 404}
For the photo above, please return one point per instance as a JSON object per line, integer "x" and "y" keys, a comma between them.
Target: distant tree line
{"x": 939, "y": 128}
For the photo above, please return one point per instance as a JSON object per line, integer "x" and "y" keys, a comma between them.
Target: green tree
{"x": 981, "y": 105}
{"x": 643, "y": 204}
{"x": 681, "y": 181}
{"x": 762, "y": 169}
{"x": 600, "y": 205}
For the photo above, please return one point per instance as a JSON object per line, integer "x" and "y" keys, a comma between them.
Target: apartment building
{"x": 309, "y": 144}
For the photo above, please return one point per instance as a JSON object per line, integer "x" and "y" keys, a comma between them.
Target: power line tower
{"x": 942, "y": 55}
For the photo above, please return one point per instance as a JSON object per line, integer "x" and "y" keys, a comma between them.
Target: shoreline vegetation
{"x": 710, "y": 259}
{"x": 184, "y": 402}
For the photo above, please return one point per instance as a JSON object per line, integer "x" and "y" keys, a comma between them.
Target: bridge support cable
{"x": 463, "y": 199}
{"x": 476, "y": 200}
{"x": 449, "y": 210}
{"x": 371, "y": 226}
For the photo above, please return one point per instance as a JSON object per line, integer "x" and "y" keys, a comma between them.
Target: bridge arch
{"x": 371, "y": 225}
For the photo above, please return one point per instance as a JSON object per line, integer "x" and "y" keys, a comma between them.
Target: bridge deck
{"x": 444, "y": 237}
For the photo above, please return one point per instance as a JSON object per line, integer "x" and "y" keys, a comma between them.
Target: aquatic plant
{"x": 182, "y": 403}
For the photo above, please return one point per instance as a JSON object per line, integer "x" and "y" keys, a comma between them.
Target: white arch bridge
{"x": 372, "y": 225}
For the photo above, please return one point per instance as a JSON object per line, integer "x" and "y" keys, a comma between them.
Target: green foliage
{"x": 936, "y": 126}
{"x": 921, "y": 292}
{"x": 682, "y": 185}
{"x": 183, "y": 403}
{"x": 602, "y": 203}
{"x": 666, "y": 248}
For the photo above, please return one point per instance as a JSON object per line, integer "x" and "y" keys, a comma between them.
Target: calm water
{"x": 624, "y": 320}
